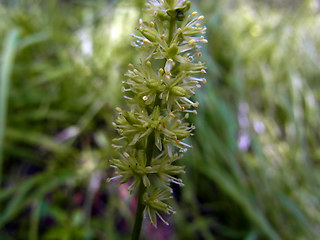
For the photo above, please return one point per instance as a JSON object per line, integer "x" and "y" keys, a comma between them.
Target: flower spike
{"x": 154, "y": 128}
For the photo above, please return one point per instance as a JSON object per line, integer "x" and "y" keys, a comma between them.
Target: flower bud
{"x": 179, "y": 91}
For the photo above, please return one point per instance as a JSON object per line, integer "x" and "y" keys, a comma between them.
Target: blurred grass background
{"x": 254, "y": 170}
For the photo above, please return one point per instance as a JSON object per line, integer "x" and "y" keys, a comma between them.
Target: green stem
{"x": 172, "y": 29}
{"x": 142, "y": 189}
{"x": 149, "y": 151}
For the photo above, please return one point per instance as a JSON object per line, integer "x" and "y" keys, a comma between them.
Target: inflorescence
{"x": 158, "y": 92}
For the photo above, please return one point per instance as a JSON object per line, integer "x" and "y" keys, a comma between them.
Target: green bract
{"x": 158, "y": 92}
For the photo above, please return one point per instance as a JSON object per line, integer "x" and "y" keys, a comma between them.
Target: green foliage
{"x": 253, "y": 172}
{"x": 257, "y": 140}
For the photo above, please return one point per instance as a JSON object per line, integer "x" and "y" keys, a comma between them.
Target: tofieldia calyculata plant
{"x": 158, "y": 92}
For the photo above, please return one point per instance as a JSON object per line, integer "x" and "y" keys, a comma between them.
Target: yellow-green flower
{"x": 159, "y": 91}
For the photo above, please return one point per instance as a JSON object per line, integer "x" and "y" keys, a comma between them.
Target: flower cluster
{"x": 159, "y": 91}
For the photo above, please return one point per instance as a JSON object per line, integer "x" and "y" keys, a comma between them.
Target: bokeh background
{"x": 254, "y": 171}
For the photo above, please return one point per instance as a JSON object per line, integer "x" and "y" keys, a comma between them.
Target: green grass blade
{"x": 9, "y": 49}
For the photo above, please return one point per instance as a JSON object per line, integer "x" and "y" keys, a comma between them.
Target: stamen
{"x": 113, "y": 178}
{"x": 117, "y": 139}
{"x": 186, "y": 145}
{"x": 165, "y": 222}
{"x": 123, "y": 89}
{"x": 144, "y": 98}
{"x": 128, "y": 98}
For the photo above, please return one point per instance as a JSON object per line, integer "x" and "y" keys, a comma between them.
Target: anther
{"x": 151, "y": 24}
{"x": 194, "y": 13}
{"x": 196, "y": 104}
{"x": 148, "y": 63}
{"x": 172, "y": 115}
{"x": 200, "y": 18}
{"x": 192, "y": 41}
{"x": 161, "y": 70}
{"x": 126, "y": 154}
{"x": 118, "y": 109}
{"x": 182, "y": 108}
{"x": 204, "y": 40}
{"x": 198, "y": 86}
{"x": 146, "y": 41}
{"x": 162, "y": 36}
{"x": 203, "y": 71}
{"x": 204, "y": 81}
{"x": 198, "y": 25}
{"x": 130, "y": 65}
{"x": 144, "y": 98}
{"x": 140, "y": 21}
{"x": 190, "y": 58}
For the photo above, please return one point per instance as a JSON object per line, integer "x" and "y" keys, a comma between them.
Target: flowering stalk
{"x": 158, "y": 92}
